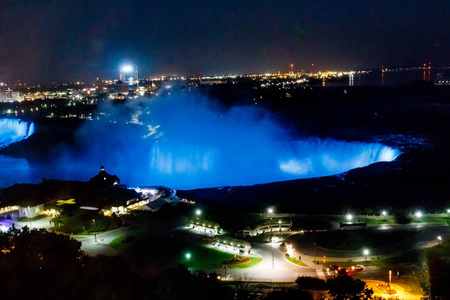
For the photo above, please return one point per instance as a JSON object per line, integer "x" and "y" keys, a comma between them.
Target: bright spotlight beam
{"x": 127, "y": 69}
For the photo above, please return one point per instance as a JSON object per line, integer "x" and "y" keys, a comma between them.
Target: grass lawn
{"x": 118, "y": 242}
{"x": 378, "y": 221}
{"x": 357, "y": 239}
{"x": 441, "y": 250}
{"x": 25, "y": 219}
{"x": 165, "y": 251}
{"x": 202, "y": 257}
{"x": 253, "y": 262}
{"x": 296, "y": 261}
{"x": 353, "y": 239}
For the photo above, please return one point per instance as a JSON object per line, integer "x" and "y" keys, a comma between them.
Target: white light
{"x": 127, "y": 69}
{"x": 384, "y": 213}
{"x": 439, "y": 238}
{"x": 270, "y": 210}
{"x": 418, "y": 214}
{"x": 349, "y": 217}
{"x": 198, "y": 212}
{"x": 366, "y": 252}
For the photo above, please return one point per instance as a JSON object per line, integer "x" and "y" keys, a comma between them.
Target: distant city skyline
{"x": 45, "y": 41}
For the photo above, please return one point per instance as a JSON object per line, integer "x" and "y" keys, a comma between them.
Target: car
{"x": 358, "y": 267}
{"x": 342, "y": 271}
{"x": 334, "y": 267}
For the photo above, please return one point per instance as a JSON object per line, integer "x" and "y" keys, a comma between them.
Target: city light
{"x": 198, "y": 212}
{"x": 270, "y": 210}
{"x": 384, "y": 213}
{"x": 349, "y": 217}
{"x": 418, "y": 214}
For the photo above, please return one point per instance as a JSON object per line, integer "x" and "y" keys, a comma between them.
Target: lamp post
{"x": 384, "y": 213}
{"x": 418, "y": 214}
{"x": 314, "y": 245}
{"x": 366, "y": 252}
{"x": 349, "y": 217}
{"x": 390, "y": 276}
{"x": 270, "y": 212}
{"x": 198, "y": 212}
{"x": 439, "y": 239}
{"x": 95, "y": 233}
{"x": 188, "y": 257}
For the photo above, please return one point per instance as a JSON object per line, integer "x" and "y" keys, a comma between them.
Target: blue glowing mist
{"x": 14, "y": 130}
{"x": 186, "y": 142}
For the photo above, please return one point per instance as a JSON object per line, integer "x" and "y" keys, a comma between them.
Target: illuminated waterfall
{"x": 193, "y": 166}
{"x": 14, "y": 130}
{"x": 185, "y": 144}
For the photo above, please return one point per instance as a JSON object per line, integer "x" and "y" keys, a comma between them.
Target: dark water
{"x": 391, "y": 78}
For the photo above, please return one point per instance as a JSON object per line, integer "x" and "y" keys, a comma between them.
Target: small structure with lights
{"x": 232, "y": 244}
{"x": 205, "y": 226}
{"x": 269, "y": 225}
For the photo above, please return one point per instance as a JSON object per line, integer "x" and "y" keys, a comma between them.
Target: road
{"x": 273, "y": 268}
{"x": 425, "y": 238}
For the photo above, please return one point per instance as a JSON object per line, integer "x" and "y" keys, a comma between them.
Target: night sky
{"x": 43, "y": 41}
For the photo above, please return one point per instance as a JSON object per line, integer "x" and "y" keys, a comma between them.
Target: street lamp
{"x": 390, "y": 277}
{"x": 349, "y": 217}
{"x": 314, "y": 245}
{"x": 418, "y": 214}
{"x": 198, "y": 212}
{"x": 439, "y": 239}
{"x": 95, "y": 233}
{"x": 384, "y": 213}
{"x": 366, "y": 252}
{"x": 188, "y": 257}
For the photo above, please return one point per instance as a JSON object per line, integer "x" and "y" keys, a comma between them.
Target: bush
{"x": 310, "y": 283}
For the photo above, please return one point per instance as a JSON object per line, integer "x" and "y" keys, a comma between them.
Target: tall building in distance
{"x": 130, "y": 76}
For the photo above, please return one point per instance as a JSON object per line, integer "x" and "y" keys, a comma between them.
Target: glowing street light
{"x": 390, "y": 278}
{"x": 384, "y": 213}
{"x": 439, "y": 239}
{"x": 270, "y": 210}
{"x": 366, "y": 252}
{"x": 349, "y": 217}
{"x": 418, "y": 214}
{"x": 188, "y": 257}
{"x": 95, "y": 233}
{"x": 198, "y": 212}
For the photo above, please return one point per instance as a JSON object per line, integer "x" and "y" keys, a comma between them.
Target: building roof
{"x": 103, "y": 179}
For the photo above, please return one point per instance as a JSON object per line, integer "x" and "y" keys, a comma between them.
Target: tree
{"x": 32, "y": 259}
{"x": 345, "y": 287}
{"x": 289, "y": 294}
{"x": 310, "y": 283}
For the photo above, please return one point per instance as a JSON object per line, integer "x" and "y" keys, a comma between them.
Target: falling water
{"x": 14, "y": 130}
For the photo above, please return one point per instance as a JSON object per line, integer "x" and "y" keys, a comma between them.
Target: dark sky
{"x": 43, "y": 41}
